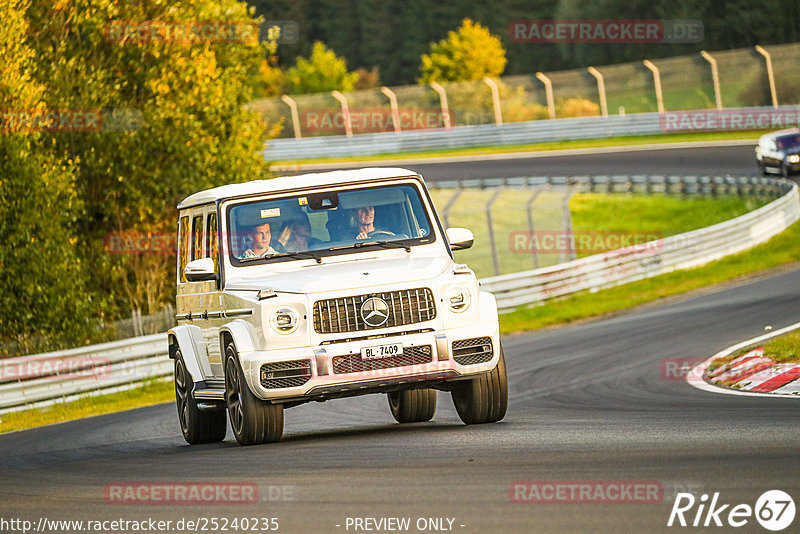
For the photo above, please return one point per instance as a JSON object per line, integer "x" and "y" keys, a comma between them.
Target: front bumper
{"x": 336, "y": 369}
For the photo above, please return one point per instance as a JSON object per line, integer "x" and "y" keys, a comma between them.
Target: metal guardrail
{"x": 44, "y": 379}
{"x": 512, "y": 133}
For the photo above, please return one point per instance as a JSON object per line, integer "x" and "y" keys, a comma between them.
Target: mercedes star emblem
{"x": 375, "y": 311}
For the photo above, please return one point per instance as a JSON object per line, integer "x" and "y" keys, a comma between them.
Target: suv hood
{"x": 370, "y": 274}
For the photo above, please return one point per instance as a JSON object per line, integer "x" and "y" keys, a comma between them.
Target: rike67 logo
{"x": 774, "y": 510}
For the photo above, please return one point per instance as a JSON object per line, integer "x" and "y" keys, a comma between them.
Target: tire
{"x": 412, "y": 406}
{"x": 253, "y": 420}
{"x": 483, "y": 399}
{"x": 784, "y": 170}
{"x": 196, "y": 426}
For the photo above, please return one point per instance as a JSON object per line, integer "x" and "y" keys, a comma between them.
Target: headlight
{"x": 794, "y": 158}
{"x": 284, "y": 320}
{"x": 458, "y": 298}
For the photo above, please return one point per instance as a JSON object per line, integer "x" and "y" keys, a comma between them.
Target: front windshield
{"x": 312, "y": 225}
{"x": 785, "y": 142}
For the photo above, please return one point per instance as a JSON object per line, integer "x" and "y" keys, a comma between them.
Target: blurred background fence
{"x": 686, "y": 82}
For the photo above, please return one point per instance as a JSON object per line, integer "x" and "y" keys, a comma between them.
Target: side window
{"x": 197, "y": 237}
{"x": 183, "y": 244}
{"x": 212, "y": 249}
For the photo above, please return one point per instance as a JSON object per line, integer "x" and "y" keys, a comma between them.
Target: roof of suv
{"x": 779, "y": 133}
{"x": 289, "y": 183}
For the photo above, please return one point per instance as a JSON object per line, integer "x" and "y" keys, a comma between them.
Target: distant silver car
{"x": 315, "y": 287}
{"x": 779, "y": 152}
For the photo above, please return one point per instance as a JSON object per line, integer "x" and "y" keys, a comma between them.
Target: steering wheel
{"x": 376, "y": 233}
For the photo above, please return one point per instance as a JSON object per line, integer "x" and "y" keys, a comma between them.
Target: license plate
{"x": 381, "y": 351}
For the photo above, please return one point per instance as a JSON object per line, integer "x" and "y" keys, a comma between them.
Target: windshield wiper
{"x": 382, "y": 244}
{"x": 302, "y": 255}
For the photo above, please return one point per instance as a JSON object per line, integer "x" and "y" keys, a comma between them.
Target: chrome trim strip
{"x": 209, "y": 394}
{"x": 442, "y": 347}
{"x": 237, "y": 313}
{"x": 323, "y": 367}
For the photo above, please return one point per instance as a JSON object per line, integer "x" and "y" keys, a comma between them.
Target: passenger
{"x": 260, "y": 237}
{"x": 295, "y": 235}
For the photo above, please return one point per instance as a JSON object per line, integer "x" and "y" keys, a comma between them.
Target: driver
{"x": 365, "y": 219}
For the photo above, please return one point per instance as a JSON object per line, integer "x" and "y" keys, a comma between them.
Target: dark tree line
{"x": 394, "y": 34}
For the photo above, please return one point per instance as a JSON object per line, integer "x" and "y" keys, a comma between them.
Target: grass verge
{"x": 782, "y": 349}
{"x": 536, "y": 147}
{"x": 152, "y": 392}
{"x": 783, "y": 249}
{"x": 594, "y": 215}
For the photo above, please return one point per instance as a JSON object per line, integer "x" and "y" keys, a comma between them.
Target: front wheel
{"x": 784, "y": 170}
{"x": 483, "y": 399}
{"x": 253, "y": 420}
{"x": 196, "y": 426}
{"x": 412, "y": 406}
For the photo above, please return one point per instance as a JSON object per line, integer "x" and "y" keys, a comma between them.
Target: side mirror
{"x": 200, "y": 270}
{"x": 459, "y": 238}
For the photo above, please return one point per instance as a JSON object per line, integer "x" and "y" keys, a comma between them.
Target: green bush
{"x": 469, "y": 53}
{"x": 323, "y": 71}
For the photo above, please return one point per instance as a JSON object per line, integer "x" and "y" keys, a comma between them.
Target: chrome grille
{"x": 285, "y": 374}
{"x": 473, "y": 351}
{"x": 409, "y": 306}
{"x": 352, "y": 363}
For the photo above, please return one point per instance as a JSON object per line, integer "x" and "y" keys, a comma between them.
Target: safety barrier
{"x": 519, "y": 133}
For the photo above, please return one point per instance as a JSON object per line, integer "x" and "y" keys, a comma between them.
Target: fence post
{"x": 770, "y": 75}
{"x": 498, "y": 115}
{"x": 136, "y": 320}
{"x": 450, "y": 203}
{"x": 601, "y": 90}
{"x": 529, "y": 209}
{"x": 443, "y": 100}
{"x": 495, "y": 259}
{"x": 548, "y": 92}
{"x": 289, "y": 101}
{"x": 714, "y": 77}
{"x": 348, "y": 127}
{"x": 395, "y": 110}
{"x": 657, "y": 82}
{"x": 569, "y": 254}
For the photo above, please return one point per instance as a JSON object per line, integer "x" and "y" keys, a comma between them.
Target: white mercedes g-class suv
{"x": 315, "y": 287}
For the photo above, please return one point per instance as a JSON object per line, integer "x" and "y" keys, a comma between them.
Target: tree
{"x": 174, "y": 122}
{"x": 469, "y": 53}
{"x": 323, "y": 71}
{"x": 43, "y": 303}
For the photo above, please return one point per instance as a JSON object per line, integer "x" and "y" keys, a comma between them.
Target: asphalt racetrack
{"x": 589, "y": 403}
